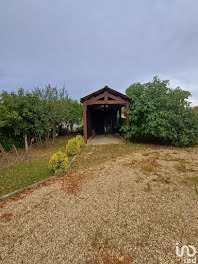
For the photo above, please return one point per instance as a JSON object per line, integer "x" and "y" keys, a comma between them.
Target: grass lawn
{"x": 28, "y": 172}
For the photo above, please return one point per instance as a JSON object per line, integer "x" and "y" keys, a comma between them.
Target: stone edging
{"x": 9, "y": 195}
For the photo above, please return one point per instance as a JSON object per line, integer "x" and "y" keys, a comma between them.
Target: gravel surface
{"x": 131, "y": 209}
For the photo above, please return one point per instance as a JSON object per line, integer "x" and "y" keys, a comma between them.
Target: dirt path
{"x": 131, "y": 209}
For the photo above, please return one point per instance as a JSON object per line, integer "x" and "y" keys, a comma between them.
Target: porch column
{"x": 127, "y": 114}
{"x": 120, "y": 117}
{"x": 85, "y": 121}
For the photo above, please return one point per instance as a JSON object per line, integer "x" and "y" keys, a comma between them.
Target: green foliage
{"x": 79, "y": 130}
{"x": 58, "y": 163}
{"x": 9, "y": 142}
{"x": 161, "y": 114}
{"x": 80, "y": 140}
{"x": 74, "y": 113}
{"x": 18, "y": 115}
{"x": 195, "y": 109}
{"x": 72, "y": 147}
{"x": 35, "y": 114}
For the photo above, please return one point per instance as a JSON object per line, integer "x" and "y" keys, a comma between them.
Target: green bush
{"x": 80, "y": 140}
{"x": 58, "y": 163}
{"x": 161, "y": 114}
{"x": 72, "y": 147}
{"x": 8, "y": 142}
{"x": 79, "y": 130}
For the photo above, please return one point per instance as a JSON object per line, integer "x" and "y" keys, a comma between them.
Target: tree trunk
{"x": 16, "y": 150}
{"x": 54, "y": 134}
{"x": 40, "y": 140}
{"x": 47, "y": 138}
{"x": 71, "y": 127}
{"x": 2, "y": 151}
{"x": 26, "y": 142}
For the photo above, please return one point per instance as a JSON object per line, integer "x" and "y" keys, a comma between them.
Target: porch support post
{"x": 127, "y": 117}
{"x": 127, "y": 114}
{"x": 85, "y": 121}
{"x": 120, "y": 117}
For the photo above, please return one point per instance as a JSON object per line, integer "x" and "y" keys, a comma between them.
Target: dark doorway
{"x": 104, "y": 118}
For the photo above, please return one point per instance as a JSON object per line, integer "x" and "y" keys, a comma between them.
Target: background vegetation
{"x": 28, "y": 117}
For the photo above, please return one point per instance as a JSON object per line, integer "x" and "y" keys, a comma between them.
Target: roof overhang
{"x": 101, "y": 91}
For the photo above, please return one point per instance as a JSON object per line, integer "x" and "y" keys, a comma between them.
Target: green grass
{"x": 28, "y": 172}
{"x": 138, "y": 145}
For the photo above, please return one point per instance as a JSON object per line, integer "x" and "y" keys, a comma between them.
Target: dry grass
{"x": 36, "y": 152}
{"x": 72, "y": 182}
{"x": 6, "y": 217}
{"x": 110, "y": 258}
{"x": 92, "y": 156}
{"x": 146, "y": 165}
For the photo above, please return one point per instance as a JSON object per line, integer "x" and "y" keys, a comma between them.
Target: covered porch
{"x": 102, "y": 112}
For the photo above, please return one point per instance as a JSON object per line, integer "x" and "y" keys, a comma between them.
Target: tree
{"x": 25, "y": 116}
{"x": 195, "y": 109}
{"x": 74, "y": 113}
{"x": 17, "y": 114}
{"x": 53, "y": 105}
{"x": 159, "y": 113}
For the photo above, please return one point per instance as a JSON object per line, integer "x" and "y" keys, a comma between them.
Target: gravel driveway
{"x": 130, "y": 209}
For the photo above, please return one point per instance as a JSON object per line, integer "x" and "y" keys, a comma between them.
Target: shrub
{"x": 161, "y": 114}
{"x": 58, "y": 163}
{"x": 72, "y": 147}
{"x": 80, "y": 140}
{"x": 79, "y": 130}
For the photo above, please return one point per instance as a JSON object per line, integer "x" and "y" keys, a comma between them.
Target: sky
{"x": 85, "y": 45}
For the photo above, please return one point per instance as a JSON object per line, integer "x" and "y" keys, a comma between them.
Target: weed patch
{"x": 147, "y": 188}
{"x": 72, "y": 182}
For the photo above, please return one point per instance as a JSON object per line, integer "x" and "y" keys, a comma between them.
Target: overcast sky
{"x": 87, "y": 44}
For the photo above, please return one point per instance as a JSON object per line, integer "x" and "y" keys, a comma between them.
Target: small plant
{"x": 146, "y": 154}
{"x": 58, "y": 163}
{"x": 133, "y": 162}
{"x": 119, "y": 194}
{"x": 80, "y": 140}
{"x": 196, "y": 189}
{"x": 181, "y": 167}
{"x": 96, "y": 236}
{"x": 139, "y": 179}
{"x": 148, "y": 187}
{"x": 181, "y": 215}
{"x": 72, "y": 147}
{"x": 148, "y": 168}
{"x": 155, "y": 179}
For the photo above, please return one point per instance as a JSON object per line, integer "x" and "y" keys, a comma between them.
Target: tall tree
{"x": 160, "y": 113}
{"x": 74, "y": 113}
{"x": 17, "y": 114}
{"x": 28, "y": 115}
{"x": 53, "y": 104}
